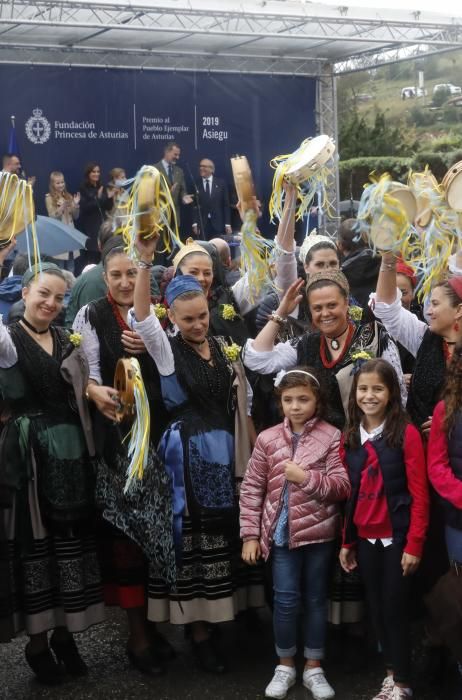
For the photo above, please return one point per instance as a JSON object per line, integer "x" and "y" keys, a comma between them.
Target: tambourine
{"x": 427, "y": 181}
{"x": 452, "y": 186}
{"x": 124, "y": 384}
{"x": 310, "y": 157}
{"x": 383, "y": 232}
{"x": 147, "y": 221}
{"x": 406, "y": 198}
{"x": 16, "y": 207}
{"x": 243, "y": 182}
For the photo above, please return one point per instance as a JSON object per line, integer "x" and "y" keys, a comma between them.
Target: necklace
{"x": 32, "y": 328}
{"x": 331, "y": 363}
{"x": 115, "y": 308}
{"x": 334, "y": 341}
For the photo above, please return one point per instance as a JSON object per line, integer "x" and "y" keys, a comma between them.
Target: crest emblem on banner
{"x": 38, "y": 127}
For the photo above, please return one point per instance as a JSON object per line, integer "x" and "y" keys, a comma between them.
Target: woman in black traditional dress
{"x": 136, "y": 528}
{"x": 331, "y": 348}
{"x": 206, "y": 448}
{"x": 47, "y": 484}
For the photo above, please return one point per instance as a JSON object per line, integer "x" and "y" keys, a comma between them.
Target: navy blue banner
{"x": 66, "y": 117}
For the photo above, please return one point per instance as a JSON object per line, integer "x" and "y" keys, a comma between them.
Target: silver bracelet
{"x": 388, "y": 267}
{"x": 143, "y": 265}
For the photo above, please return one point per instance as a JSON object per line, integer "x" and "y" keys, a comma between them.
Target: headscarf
{"x": 456, "y": 285}
{"x": 181, "y": 285}
{"x": 111, "y": 243}
{"x": 311, "y": 240}
{"x": 37, "y": 269}
{"x": 403, "y": 268}
{"x": 189, "y": 247}
{"x": 334, "y": 276}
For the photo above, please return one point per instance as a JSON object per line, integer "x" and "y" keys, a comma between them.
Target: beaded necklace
{"x": 115, "y": 308}
{"x": 328, "y": 364}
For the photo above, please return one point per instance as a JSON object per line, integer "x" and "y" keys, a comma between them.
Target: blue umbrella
{"x": 54, "y": 237}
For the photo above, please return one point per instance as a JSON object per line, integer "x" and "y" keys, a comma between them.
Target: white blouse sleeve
{"x": 156, "y": 341}
{"x": 401, "y": 324}
{"x": 286, "y": 273}
{"x": 8, "y": 354}
{"x": 286, "y": 270}
{"x": 90, "y": 343}
{"x": 282, "y": 356}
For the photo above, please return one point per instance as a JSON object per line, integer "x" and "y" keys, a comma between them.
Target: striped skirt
{"x": 213, "y": 583}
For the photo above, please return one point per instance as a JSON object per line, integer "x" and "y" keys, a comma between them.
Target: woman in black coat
{"x": 95, "y": 202}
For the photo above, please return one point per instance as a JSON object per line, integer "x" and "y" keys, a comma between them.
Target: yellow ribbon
{"x": 138, "y": 446}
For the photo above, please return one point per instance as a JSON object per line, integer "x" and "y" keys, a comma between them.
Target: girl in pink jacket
{"x": 288, "y": 503}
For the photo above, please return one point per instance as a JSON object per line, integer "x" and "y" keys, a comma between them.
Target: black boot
{"x": 68, "y": 655}
{"x": 146, "y": 661}
{"x": 208, "y": 657}
{"x": 44, "y": 666}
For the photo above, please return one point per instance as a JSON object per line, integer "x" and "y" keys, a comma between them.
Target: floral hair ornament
{"x": 280, "y": 376}
{"x": 355, "y": 313}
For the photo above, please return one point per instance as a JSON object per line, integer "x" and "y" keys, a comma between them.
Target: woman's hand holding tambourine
{"x": 146, "y": 247}
{"x": 105, "y": 398}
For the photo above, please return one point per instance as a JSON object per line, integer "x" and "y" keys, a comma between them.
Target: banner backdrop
{"x": 66, "y": 117}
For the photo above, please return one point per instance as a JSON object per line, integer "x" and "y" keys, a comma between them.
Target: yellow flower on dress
{"x": 160, "y": 311}
{"x": 75, "y": 339}
{"x": 232, "y": 352}
{"x": 361, "y": 355}
{"x": 228, "y": 312}
{"x": 355, "y": 313}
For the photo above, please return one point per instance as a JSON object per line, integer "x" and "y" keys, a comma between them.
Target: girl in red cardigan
{"x": 445, "y": 472}
{"x": 387, "y": 513}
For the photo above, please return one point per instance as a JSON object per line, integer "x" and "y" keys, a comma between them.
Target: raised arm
{"x": 286, "y": 263}
{"x": 141, "y": 319}
{"x": 264, "y": 341}
{"x": 386, "y": 282}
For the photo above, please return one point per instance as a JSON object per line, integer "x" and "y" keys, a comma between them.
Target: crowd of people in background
{"x": 309, "y": 432}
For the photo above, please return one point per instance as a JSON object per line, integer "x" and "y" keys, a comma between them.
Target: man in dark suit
{"x": 174, "y": 176}
{"x": 212, "y": 213}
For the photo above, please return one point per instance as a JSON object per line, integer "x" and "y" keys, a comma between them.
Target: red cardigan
{"x": 443, "y": 480}
{"x": 417, "y": 483}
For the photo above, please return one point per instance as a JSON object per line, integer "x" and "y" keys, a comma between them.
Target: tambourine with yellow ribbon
{"x": 133, "y": 406}
{"x": 149, "y": 210}
{"x": 386, "y": 214}
{"x": 17, "y": 214}
{"x": 255, "y": 251}
{"x": 308, "y": 169}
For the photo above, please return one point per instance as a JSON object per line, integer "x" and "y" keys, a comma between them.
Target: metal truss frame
{"x": 317, "y": 34}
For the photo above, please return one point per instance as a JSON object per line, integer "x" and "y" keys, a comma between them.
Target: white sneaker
{"x": 386, "y": 691}
{"x": 315, "y": 680}
{"x": 401, "y": 693}
{"x": 284, "y": 678}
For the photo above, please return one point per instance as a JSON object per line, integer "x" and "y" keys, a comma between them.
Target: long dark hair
{"x": 88, "y": 168}
{"x": 453, "y": 389}
{"x": 396, "y": 418}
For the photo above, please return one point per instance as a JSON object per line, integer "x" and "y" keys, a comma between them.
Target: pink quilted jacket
{"x": 313, "y": 511}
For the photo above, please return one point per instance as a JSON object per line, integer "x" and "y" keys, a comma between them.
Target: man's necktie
{"x": 170, "y": 173}
{"x": 207, "y": 188}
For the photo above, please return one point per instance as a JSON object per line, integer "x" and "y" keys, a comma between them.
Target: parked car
{"x": 449, "y": 87}
{"x": 412, "y": 91}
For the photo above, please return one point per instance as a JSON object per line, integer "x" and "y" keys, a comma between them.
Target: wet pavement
{"x": 248, "y": 648}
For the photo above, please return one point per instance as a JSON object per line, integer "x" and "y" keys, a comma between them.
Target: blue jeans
{"x": 301, "y": 575}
